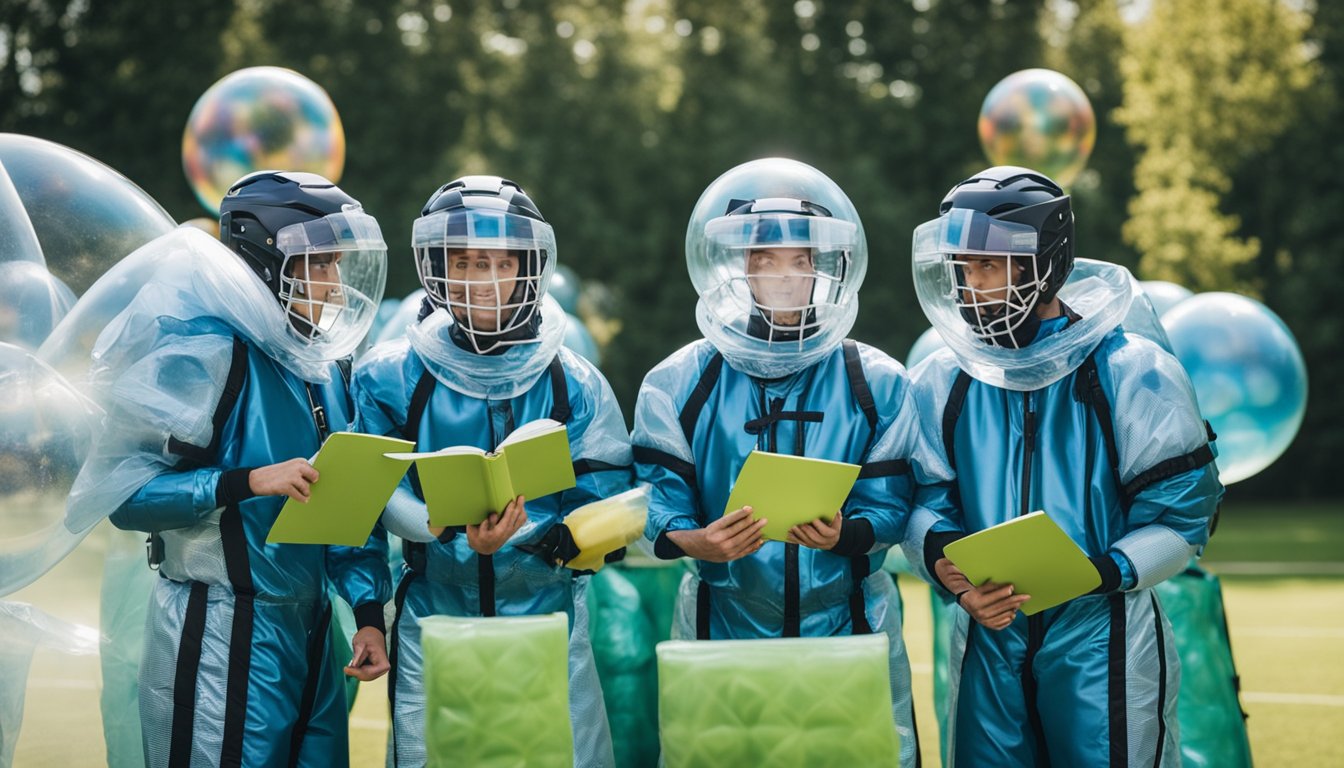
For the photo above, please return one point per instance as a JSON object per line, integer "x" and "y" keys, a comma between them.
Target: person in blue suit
{"x": 777, "y": 254}
{"x": 487, "y": 359}
{"x": 1042, "y": 401}
{"x": 223, "y": 375}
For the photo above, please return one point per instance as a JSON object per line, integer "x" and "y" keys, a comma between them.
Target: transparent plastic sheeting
{"x": 497, "y": 691}
{"x": 605, "y": 526}
{"x": 778, "y": 702}
{"x": 25, "y": 629}
{"x": 46, "y": 426}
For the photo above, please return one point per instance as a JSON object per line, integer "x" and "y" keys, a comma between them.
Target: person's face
{"x": 319, "y": 282}
{"x": 987, "y": 280}
{"x": 781, "y": 281}
{"x": 483, "y": 278}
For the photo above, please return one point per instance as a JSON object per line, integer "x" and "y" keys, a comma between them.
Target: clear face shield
{"x": 984, "y": 271}
{"x": 779, "y": 275}
{"x": 332, "y": 277}
{"x": 490, "y": 268}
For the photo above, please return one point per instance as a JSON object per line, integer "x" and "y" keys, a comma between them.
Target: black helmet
{"x": 486, "y": 212}
{"x": 260, "y": 204}
{"x": 1022, "y": 196}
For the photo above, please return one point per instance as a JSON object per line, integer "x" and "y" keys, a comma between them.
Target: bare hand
{"x": 292, "y": 478}
{"x": 817, "y": 534}
{"x": 992, "y": 605}
{"x": 495, "y": 530}
{"x": 370, "y": 655}
{"x": 730, "y": 537}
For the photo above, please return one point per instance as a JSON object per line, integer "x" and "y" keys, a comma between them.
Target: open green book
{"x": 790, "y": 490}
{"x": 463, "y": 484}
{"x": 354, "y": 483}
{"x": 1033, "y": 554}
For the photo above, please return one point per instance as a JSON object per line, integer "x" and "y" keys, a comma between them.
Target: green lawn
{"x": 1283, "y": 576}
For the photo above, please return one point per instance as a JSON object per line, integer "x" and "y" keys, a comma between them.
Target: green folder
{"x": 464, "y": 484}
{"x": 1033, "y": 554}
{"x": 354, "y": 483}
{"x": 790, "y": 490}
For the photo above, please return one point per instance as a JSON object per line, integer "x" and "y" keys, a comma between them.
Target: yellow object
{"x": 605, "y": 526}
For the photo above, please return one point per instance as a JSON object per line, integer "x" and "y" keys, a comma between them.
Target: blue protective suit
{"x": 238, "y": 663}
{"x": 1093, "y": 681}
{"x": 445, "y": 575}
{"x": 696, "y": 421}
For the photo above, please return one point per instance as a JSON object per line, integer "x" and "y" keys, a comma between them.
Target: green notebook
{"x": 1033, "y": 554}
{"x": 464, "y": 484}
{"x": 790, "y": 490}
{"x": 354, "y": 483}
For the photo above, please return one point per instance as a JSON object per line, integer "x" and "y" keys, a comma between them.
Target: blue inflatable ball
{"x": 565, "y": 289}
{"x": 1164, "y": 295}
{"x": 1248, "y": 375}
{"x": 928, "y": 342}
{"x": 32, "y": 302}
{"x": 580, "y": 340}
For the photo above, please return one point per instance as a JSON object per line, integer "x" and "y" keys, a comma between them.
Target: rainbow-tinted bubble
{"x": 1039, "y": 119}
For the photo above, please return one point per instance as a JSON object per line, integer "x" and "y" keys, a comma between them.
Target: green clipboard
{"x": 790, "y": 490}
{"x": 1033, "y": 554}
{"x": 354, "y": 483}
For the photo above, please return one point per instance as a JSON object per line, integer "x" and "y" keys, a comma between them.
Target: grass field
{"x": 1283, "y": 575}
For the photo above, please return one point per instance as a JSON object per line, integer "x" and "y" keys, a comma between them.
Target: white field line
{"x": 1279, "y": 568}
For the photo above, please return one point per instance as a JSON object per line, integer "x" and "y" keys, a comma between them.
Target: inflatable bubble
{"x": 32, "y": 302}
{"x": 405, "y": 314}
{"x": 564, "y": 289}
{"x": 205, "y": 224}
{"x": 1039, "y": 119}
{"x": 579, "y": 339}
{"x": 46, "y": 427}
{"x": 1164, "y": 295}
{"x": 928, "y": 342}
{"x": 256, "y": 119}
{"x": 83, "y": 215}
{"x": 1248, "y": 374}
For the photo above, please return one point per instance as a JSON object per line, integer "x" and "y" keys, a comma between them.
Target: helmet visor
{"x": 333, "y": 273}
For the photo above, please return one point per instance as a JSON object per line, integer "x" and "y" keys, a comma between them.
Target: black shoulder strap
{"x": 416, "y": 409}
{"x": 233, "y": 388}
{"x": 951, "y": 412}
{"x": 858, "y": 382}
{"x": 1089, "y": 384}
{"x": 560, "y": 410}
{"x": 690, "y": 412}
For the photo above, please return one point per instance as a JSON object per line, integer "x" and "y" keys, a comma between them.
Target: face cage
{"x": 808, "y": 323}
{"x": 297, "y": 291}
{"x": 1001, "y": 317}
{"x": 514, "y": 313}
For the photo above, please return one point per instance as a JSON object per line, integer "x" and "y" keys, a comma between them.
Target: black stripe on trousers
{"x": 393, "y": 648}
{"x": 1115, "y": 682}
{"x": 234, "y": 541}
{"x": 317, "y": 645}
{"x": 184, "y": 682}
{"x": 1035, "y": 638}
{"x": 1161, "y": 680}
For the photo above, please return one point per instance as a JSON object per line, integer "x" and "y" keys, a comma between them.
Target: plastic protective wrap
{"x": 496, "y": 377}
{"x": 779, "y": 702}
{"x": 497, "y": 691}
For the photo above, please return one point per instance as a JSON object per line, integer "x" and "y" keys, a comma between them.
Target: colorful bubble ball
{"x": 1248, "y": 375}
{"x": 1039, "y": 119}
{"x": 256, "y": 119}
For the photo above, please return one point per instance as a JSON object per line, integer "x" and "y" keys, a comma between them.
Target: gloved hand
{"x": 556, "y": 546}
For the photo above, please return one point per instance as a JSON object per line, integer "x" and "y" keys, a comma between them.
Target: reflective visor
{"x": 350, "y": 230}
{"x": 478, "y": 228}
{"x": 762, "y": 230}
{"x": 965, "y": 232}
